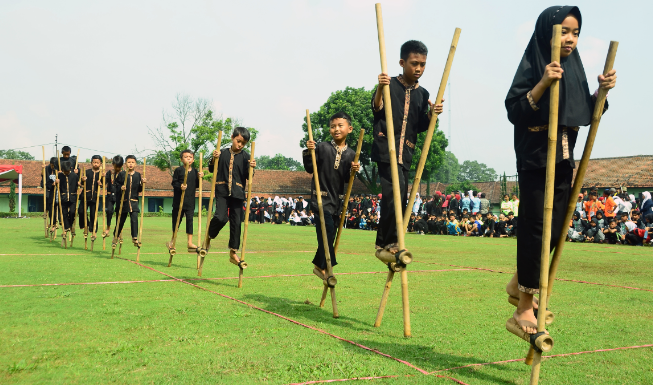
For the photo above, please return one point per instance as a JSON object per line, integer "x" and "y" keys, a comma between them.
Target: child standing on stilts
{"x": 110, "y": 180}
{"x": 131, "y": 182}
{"x": 188, "y": 205}
{"x": 92, "y": 180}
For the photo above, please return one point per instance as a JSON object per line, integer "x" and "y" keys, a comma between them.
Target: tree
{"x": 278, "y": 162}
{"x": 13, "y": 154}
{"x": 191, "y": 125}
{"x": 356, "y": 103}
{"x": 461, "y": 186}
{"x": 435, "y": 158}
{"x": 12, "y": 197}
{"x": 449, "y": 169}
{"x": 472, "y": 170}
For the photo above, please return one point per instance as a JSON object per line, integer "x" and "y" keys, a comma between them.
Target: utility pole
{"x": 56, "y": 143}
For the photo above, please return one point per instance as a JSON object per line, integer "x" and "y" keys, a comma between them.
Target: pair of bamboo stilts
{"x": 398, "y": 262}
{"x": 64, "y": 242}
{"x": 117, "y": 235}
{"x": 542, "y": 342}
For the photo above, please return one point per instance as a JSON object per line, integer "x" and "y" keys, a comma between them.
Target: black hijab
{"x": 575, "y": 100}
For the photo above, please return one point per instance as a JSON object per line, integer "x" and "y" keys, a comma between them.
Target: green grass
{"x": 172, "y": 332}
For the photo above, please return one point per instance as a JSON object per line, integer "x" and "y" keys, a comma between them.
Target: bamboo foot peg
{"x": 241, "y": 264}
{"x": 541, "y": 342}
{"x": 549, "y": 315}
{"x": 328, "y": 281}
{"x": 402, "y": 257}
{"x": 193, "y": 249}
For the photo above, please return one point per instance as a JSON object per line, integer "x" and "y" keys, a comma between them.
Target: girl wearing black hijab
{"x": 527, "y": 104}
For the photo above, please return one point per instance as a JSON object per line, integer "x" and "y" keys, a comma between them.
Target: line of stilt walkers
{"x": 539, "y": 343}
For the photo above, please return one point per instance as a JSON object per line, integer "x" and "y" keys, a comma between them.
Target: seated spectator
{"x": 636, "y": 218}
{"x": 594, "y": 233}
{"x": 295, "y": 220}
{"x": 452, "y": 226}
{"x": 611, "y": 233}
{"x": 601, "y": 221}
{"x": 489, "y": 226}
{"x": 362, "y": 224}
{"x": 411, "y": 223}
{"x": 512, "y": 222}
{"x": 421, "y": 227}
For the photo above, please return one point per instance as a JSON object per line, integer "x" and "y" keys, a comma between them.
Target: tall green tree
{"x": 190, "y": 124}
{"x": 474, "y": 171}
{"x": 448, "y": 170}
{"x": 436, "y": 157}
{"x": 460, "y": 186}
{"x": 278, "y": 162}
{"x": 14, "y": 154}
{"x": 356, "y": 103}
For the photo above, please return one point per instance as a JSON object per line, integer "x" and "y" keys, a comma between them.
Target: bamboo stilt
{"x": 199, "y": 213}
{"x": 79, "y": 178}
{"x": 203, "y": 248}
{"x": 85, "y": 214}
{"x": 330, "y": 279}
{"x": 384, "y": 298}
{"x": 395, "y": 176}
{"x": 171, "y": 249}
{"x": 63, "y": 226}
{"x": 97, "y": 206}
{"x": 429, "y": 133}
{"x": 249, "y": 203}
{"x": 104, "y": 202}
{"x": 140, "y": 228}
{"x": 53, "y": 217}
{"x": 45, "y": 199}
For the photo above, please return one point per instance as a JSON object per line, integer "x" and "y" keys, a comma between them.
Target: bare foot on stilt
{"x": 513, "y": 290}
{"x": 233, "y": 257}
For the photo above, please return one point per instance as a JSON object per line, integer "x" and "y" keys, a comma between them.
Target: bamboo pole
{"x": 104, "y": 202}
{"x": 199, "y": 213}
{"x": 116, "y": 234}
{"x": 249, "y": 203}
{"x": 582, "y": 167}
{"x": 343, "y": 214}
{"x": 548, "y": 199}
{"x": 53, "y": 217}
{"x": 171, "y": 249}
{"x": 395, "y": 177}
{"x": 429, "y": 133}
{"x": 97, "y": 206}
{"x": 85, "y": 213}
{"x": 45, "y": 199}
{"x": 63, "y": 226}
{"x": 203, "y": 251}
{"x": 72, "y": 229}
{"x": 140, "y": 228}
{"x": 330, "y": 279}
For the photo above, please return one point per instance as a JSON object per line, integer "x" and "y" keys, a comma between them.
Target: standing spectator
{"x": 515, "y": 205}
{"x": 506, "y": 205}
{"x": 580, "y": 207}
{"x": 610, "y": 205}
{"x": 485, "y": 205}
{"x": 593, "y": 205}
{"x": 466, "y": 202}
{"x": 417, "y": 204}
{"x": 476, "y": 205}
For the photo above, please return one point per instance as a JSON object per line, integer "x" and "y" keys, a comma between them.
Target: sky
{"x": 99, "y": 74}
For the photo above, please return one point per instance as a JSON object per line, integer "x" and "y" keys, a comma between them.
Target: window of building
{"x": 35, "y": 203}
{"x": 153, "y": 204}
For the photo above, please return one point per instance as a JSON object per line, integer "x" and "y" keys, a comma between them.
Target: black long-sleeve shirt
{"x": 110, "y": 180}
{"x": 92, "y": 181}
{"x": 192, "y": 183}
{"x": 411, "y": 99}
{"x": 333, "y": 170}
{"x": 134, "y": 184}
{"x": 49, "y": 182}
{"x": 233, "y": 171}
{"x": 68, "y": 187}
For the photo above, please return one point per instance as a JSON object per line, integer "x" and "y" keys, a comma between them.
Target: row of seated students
{"x": 624, "y": 229}
{"x": 468, "y": 225}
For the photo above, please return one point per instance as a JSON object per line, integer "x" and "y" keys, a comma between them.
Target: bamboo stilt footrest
{"x": 330, "y": 281}
{"x": 549, "y": 315}
{"x": 540, "y": 341}
{"x": 403, "y": 256}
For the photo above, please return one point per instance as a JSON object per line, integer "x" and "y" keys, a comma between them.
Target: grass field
{"x": 143, "y": 326}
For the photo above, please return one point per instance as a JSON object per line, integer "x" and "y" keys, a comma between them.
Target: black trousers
{"x": 133, "y": 220}
{"x": 227, "y": 209}
{"x": 52, "y": 212}
{"x": 330, "y": 222}
{"x": 531, "y": 218}
{"x": 186, "y": 215}
{"x": 68, "y": 209}
{"x": 108, "y": 209}
{"x": 90, "y": 216}
{"x": 387, "y": 232}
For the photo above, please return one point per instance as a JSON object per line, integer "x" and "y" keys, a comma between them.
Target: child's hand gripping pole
{"x": 63, "y": 227}
{"x": 140, "y": 228}
{"x": 45, "y": 199}
{"x": 203, "y": 249}
{"x": 395, "y": 186}
{"x": 330, "y": 279}
{"x": 249, "y": 203}
{"x": 171, "y": 244}
{"x": 429, "y": 133}
{"x": 199, "y": 212}
{"x": 116, "y": 234}
{"x": 104, "y": 203}
{"x": 343, "y": 214}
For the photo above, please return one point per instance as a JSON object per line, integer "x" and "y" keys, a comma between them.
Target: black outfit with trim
{"x": 68, "y": 193}
{"x": 110, "y": 200}
{"x": 233, "y": 171}
{"x": 333, "y": 168}
{"x": 410, "y": 117}
{"x": 188, "y": 207}
{"x": 51, "y": 175}
{"x": 530, "y": 122}
{"x": 92, "y": 194}
{"x": 134, "y": 184}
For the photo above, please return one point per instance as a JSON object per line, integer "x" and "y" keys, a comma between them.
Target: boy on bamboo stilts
{"x": 188, "y": 205}
{"x": 527, "y": 104}
{"x": 112, "y": 194}
{"x": 233, "y": 171}
{"x": 335, "y": 161}
{"x": 91, "y": 179}
{"x": 411, "y": 112}
{"x": 68, "y": 185}
{"x": 131, "y": 182}
{"x": 51, "y": 173}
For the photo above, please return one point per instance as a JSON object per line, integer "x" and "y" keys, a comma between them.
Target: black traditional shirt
{"x": 49, "y": 182}
{"x": 134, "y": 184}
{"x": 233, "y": 171}
{"x": 410, "y": 116}
{"x": 110, "y": 180}
{"x": 68, "y": 187}
{"x": 333, "y": 170}
{"x": 92, "y": 181}
{"x": 192, "y": 183}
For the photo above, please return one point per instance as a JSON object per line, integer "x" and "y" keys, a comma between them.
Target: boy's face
{"x": 593, "y": 224}
{"x": 599, "y": 215}
{"x": 131, "y": 163}
{"x": 339, "y": 129}
{"x": 238, "y": 143}
{"x": 117, "y": 168}
{"x": 188, "y": 158}
{"x": 65, "y": 154}
{"x": 413, "y": 66}
{"x": 635, "y": 217}
{"x": 624, "y": 218}
{"x": 95, "y": 163}
{"x": 613, "y": 224}
{"x": 66, "y": 172}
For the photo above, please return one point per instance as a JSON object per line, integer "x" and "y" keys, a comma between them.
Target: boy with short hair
{"x": 411, "y": 115}
{"x": 68, "y": 184}
{"x": 593, "y": 205}
{"x": 131, "y": 182}
{"x": 233, "y": 170}
{"x": 91, "y": 181}
{"x": 110, "y": 180}
{"x": 188, "y": 205}
{"x": 65, "y": 156}
{"x": 51, "y": 172}
{"x": 335, "y": 162}
{"x": 452, "y": 225}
